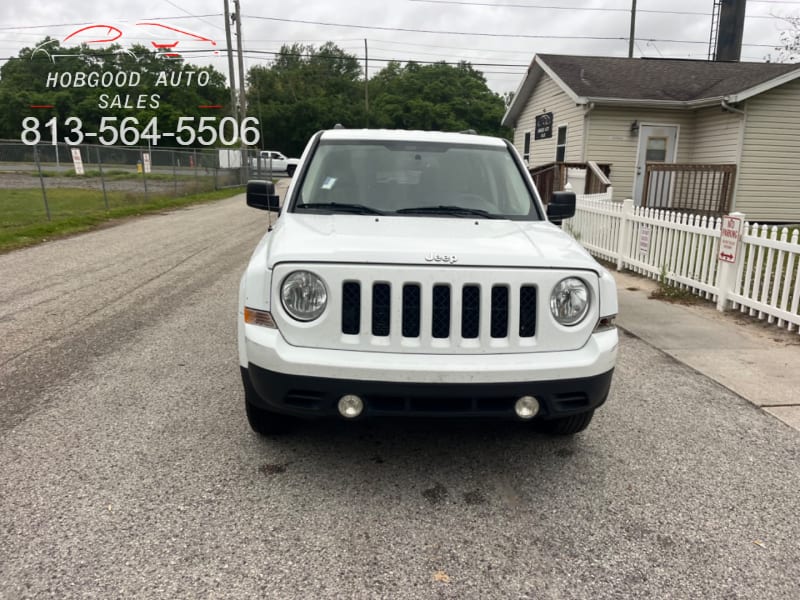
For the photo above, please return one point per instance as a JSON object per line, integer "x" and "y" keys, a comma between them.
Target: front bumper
{"x": 309, "y": 381}
{"x": 304, "y": 396}
{"x": 266, "y": 348}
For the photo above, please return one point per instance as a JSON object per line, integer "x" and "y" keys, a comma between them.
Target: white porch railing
{"x": 764, "y": 281}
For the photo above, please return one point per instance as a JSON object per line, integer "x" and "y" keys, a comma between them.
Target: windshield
{"x": 415, "y": 179}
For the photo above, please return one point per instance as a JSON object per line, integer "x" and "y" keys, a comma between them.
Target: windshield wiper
{"x": 358, "y": 209}
{"x": 458, "y": 211}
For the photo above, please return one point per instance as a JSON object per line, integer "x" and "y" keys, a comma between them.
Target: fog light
{"x": 350, "y": 406}
{"x": 526, "y": 407}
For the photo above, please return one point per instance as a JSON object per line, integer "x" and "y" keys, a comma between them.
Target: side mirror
{"x": 562, "y": 206}
{"x": 261, "y": 194}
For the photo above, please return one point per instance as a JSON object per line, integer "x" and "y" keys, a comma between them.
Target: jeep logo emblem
{"x": 441, "y": 258}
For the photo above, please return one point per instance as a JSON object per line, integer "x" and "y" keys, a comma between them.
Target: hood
{"x": 367, "y": 239}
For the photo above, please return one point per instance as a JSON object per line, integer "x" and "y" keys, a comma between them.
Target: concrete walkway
{"x": 756, "y": 360}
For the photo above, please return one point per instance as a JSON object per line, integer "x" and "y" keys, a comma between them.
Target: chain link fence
{"x": 43, "y": 182}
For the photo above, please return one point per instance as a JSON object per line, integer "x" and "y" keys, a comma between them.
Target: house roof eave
{"x": 646, "y": 103}
{"x": 763, "y": 87}
{"x": 560, "y": 82}
{"x": 525, "y": 89}
{"x": 539, "y": 67}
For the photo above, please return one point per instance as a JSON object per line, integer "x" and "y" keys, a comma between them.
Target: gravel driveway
{"x": 127, "y": 468}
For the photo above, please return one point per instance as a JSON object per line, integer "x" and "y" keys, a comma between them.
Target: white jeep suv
{"x": 417, "y": 274}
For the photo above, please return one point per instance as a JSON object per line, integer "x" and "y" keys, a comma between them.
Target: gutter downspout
{"x": 586, "y": 123}
{"x": 728, "y": 107}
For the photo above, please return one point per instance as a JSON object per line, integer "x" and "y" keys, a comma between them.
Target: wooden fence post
{"x": 726, "y": 282}
{"x": 624, "y": 232}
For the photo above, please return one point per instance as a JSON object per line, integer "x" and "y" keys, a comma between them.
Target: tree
{"x": 789, "y": 50}
{"x": 306, "y": 89}
{"x": 437, "y": 97}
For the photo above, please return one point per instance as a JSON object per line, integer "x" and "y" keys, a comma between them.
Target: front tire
{"x": 567, "y": 425}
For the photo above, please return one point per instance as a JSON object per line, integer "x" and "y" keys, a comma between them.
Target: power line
{"x": 483, "y": 34}
{"x": 361, "y": 58}
{"x": 183, "y": 10}
{"x": 437, "y": 32}
{"x": 583, "y": 8}
{"x": 53, "y": 25}
{"x": 396, "y": 43}
{"x": 569, "y": 8}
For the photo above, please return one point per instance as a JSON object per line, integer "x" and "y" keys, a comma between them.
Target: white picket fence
{"x": 764, "y": 281}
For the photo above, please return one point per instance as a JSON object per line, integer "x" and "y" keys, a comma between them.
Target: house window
{"x": 561, "y": 143}
{"x": 656, "y": 149}
{"x": 526, "y": 152}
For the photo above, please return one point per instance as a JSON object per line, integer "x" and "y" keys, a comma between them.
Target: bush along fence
{"x": 762, "y": 278}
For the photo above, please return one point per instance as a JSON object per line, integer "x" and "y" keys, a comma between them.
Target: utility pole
{"x": 231, "y": 76}
{"x": 366, "y": 83}
{"x": 242, "y": 82}
{"x": 632, "y": 37}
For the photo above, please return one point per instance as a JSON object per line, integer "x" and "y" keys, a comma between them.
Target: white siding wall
{"x": 769, "y": 175}
{"x": 716, "y": 136}
{"x": 548, "y": 97}
{"x": 609, "y": 140}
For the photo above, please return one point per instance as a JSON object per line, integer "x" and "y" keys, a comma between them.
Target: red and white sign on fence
{"x": 747, "y": 267}
{"x": 77, "y": 161}
{"x": 645, "y": 232}
{"x": 729, "y": 235}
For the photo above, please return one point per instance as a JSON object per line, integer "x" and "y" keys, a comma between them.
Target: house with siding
{"x": 694, "y": 116}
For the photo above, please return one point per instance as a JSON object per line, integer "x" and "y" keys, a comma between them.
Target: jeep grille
{"x": 441, "y": 321}
{"x": 434, "y": 309}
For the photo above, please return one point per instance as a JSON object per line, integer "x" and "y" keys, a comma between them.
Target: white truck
{"x": 273, "y": 161}
{"x": 419, "y": 274}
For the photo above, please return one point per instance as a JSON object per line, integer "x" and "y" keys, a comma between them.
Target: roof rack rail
{"x": 469, "y": 132}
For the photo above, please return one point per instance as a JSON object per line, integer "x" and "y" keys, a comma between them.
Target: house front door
{"x": 657, "y": 143}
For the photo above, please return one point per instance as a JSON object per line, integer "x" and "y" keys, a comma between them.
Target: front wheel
{"x": 567, "y": 425}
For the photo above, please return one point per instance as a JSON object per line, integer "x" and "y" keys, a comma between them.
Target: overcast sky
{"x": 501, "y": 57}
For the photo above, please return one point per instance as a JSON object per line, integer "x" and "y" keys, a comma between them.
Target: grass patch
{"x": 671, "y": 293}
{"x": 118, "y": 175}
{"x": 23, "y": 221}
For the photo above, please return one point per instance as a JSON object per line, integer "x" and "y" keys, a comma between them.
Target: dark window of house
{"x": 526, "y": 153}
{"x": 656, "y": 149}
{"x": 561, "y": 144}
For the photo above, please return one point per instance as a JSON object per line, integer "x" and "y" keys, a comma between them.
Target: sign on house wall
{"x": 544, "y": 126}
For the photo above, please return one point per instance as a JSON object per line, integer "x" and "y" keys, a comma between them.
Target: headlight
{"x": 304, "y": 295}
{"x": 569, "y": 301}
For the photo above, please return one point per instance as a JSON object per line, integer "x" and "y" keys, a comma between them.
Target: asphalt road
{"x": 127, "y": 468}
